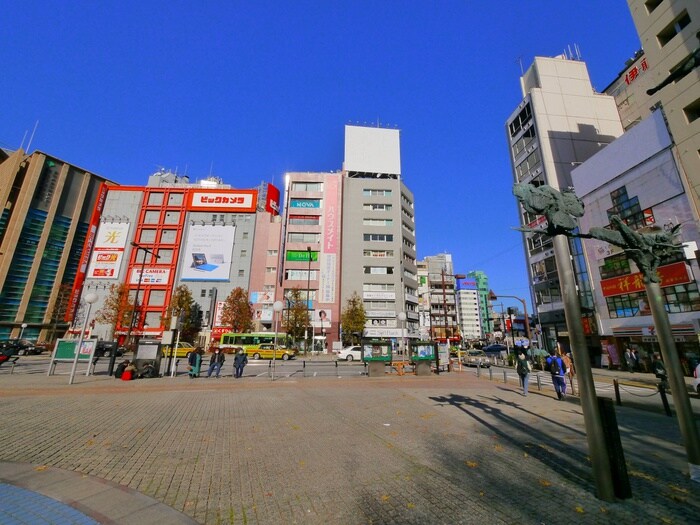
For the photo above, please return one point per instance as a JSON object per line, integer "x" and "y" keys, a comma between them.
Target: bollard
{"x": 539, "y": 382}
{"x": 337, "y": 372}
{"x": 616, "y": 384}
{"x": 490, "y": 374}
{"x": 478, "y": 370}
{"x": 505, "y": 377}
{"x": 611, "y": 432}
{"x": 664, "y": 399}
{"x": 303, "y": 367}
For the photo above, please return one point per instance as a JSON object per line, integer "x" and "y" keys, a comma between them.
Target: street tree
{"x": 58, "y": 312}
{"x": 238, "y": 312}
{"x": 184, "y": 307}
{"x": 296, "y": 319}
{"x": 353, "y": 319}
{"x": 118, "y": 308}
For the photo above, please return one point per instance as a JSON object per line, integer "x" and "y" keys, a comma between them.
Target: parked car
{"x": 23, "y": 346}
{"x": 475, "y": 357}
{"x": 106, "y": 348}
{"x": 696, "y": 381}
{"x": 183, "y": 348}
{"x": 350, "y": 353}
{"x": 497, "y": 350}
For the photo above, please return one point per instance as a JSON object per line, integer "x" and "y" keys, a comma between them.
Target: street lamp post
{"x": 138, "y": 287}
{"x": 493, "y": 297}
{"x": 308, "y": 298}
{"x": 90, "y": 299}
{"x": 21, "y": 332}
{"x": 402, "y": 319}
{"x": 277, "y": 307}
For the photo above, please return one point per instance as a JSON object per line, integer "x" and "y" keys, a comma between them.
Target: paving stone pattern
{"x": 452, "y": 449}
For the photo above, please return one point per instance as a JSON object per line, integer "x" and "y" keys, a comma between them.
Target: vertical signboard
{"x": 87, "y": 250}
{"x": 108, "y": 251}
{"x": 329, "y": 252}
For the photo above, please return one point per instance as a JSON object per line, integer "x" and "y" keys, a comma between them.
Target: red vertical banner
{"x": 85, "y": 256}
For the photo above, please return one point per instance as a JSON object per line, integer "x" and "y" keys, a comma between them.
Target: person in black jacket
{"x": 215, "y": 363}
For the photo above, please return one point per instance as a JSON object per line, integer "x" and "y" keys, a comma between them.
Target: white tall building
{"x": 379, "y": 239}
{"x": 560, "y": 123}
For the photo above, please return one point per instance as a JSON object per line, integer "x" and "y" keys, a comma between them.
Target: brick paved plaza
{"x": 446, "y": 449}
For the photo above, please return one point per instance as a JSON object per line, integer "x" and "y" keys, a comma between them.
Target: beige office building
{"x": 668, "y": 32}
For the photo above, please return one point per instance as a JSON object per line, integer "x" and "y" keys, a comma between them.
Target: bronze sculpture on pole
{"x": 647, "y": 249}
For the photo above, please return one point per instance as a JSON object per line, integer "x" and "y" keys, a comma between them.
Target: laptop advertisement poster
{"x": 208, "y": 251}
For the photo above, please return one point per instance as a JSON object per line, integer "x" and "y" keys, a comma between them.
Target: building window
{"x": 379, "y": 270}
{"x": 203, "y": 293}
{"x": 651, "y": 5}
{"x": 380, "y": 237}
{"x": 376, "y": 207}
{"x": 304, "y": 220}
{"x": 270, "y": 269}
{"x": 672, "y": 29}
{"x": 165, "y": 256}
{"x": 378, "y": 253}
{"x": 312, "y": 238}
{"x": 627, "y": 208}
{"x": 156, "y": 298}
{"x": 147, "y": 236}
{"x": 172, "y": 217}
{"x": 175, "y": 199}
{"x": 241, "y": 273}
{"x": 272, "y": 253}
{"x": 615, "y": 266}
{"x": 376, "y": 193}
{"x": 377, "y": 222}
{"x": 378, "y": 287}
{"x": 155, "y": 199}
{"x": 244, "y": 236}
{"x": 692, "y": 111}
{"x": 244, "y": 253}
{"x": 168, "y": 236}
{"x": 151, "y": 217}
{"x": 307, "y": 186}
{"x": 520, "y": 121}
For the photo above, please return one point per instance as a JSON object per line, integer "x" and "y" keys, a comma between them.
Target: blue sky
{"x": 249, "y": 90}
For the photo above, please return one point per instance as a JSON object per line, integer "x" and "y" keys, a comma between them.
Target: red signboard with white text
{"x": 671, "y": 275}
{"x": 236, "y": 201}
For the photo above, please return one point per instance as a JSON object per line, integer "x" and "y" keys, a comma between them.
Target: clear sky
{"x": 249, "y": 90}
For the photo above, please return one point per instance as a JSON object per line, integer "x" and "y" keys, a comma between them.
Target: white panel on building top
{"x": 372, "y": 150}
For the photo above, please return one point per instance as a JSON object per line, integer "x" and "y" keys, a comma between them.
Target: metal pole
{"x": 89, "y": 299}
{"x": 173, "y": 351}
{"x": 679, "y": 391}
{"x": 274, "y": 352}
{"x": 308, "y": 298}
{"x": 597, "y": 446}
{"x": 444, "y": 307}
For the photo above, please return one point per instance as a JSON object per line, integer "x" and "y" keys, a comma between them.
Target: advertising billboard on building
{"x": 207, "y": 253}
{"x": 108, "y": 250}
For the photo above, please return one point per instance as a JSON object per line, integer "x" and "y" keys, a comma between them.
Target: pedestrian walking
{"x": 557, "y": 368}
{"x": 523, "y": 367}
{"x": 194, "y": 362}
{"x": 239, "y": 362}
{"x": 215, "y": 363}
{"x": 629, "y": 359}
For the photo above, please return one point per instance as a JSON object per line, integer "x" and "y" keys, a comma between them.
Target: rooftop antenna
{"x": 519, "y": 60}
{"x": 211, "y": 168}
{"x": 578, "y": 52}
{"x": 32, "y": 136}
